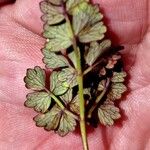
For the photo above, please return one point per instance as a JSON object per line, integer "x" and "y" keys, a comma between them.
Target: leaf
{"x": 67, "y": 97}
{"x": 74, "y": 105}
{"x": 113, "y": 61}
{"x": 116, "y": 91}
{"x": 40, "y": 101}
{"x": 101, "y": 85}
{"x": 69, "y": 76}
{"x": 86, "y": 23}
{"x": 72, "y": 4}
{"x": 107, "y": 114}
{"x": 52, "y": 14}
{"x": 73, "y": 102}
{"x": 56, "y": 120}
{"x": 119, "y": 76}
{"x": 72, "y": 57}
{"x": 56, "y": 2}
{"x": 94, "y": 33}
{"x": 96, "y": 50}
{"x": 49, "y": 120}
{"x": 67, "y": 124}
{"x": 59, "y": 37}
{"x": 57, "y": 86}
{"x": 53, "y": 60}
{"x": 62, "y": 80}
{"x": 35, "y": 78}
{"x": 86, "y": 91}
{"x": 93, "y": 53}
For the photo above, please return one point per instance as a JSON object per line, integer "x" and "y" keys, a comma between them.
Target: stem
{"x": 80, "y": 85}
{"x": 98, "y": 99}
{"x": 82, "y": 112}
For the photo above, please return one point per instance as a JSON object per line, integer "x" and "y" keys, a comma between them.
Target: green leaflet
{"x": 71, "y": 102}
{"x": 72, "y": 57}
{"x": 96, "y": 50}
{"x": 53, "y": 60}
{"x": 62, "y": 80}
{"x": 72, "y": 4}
{"x": 86, "y": 23}
{"x": 119, "y": 76}
{"x": 35, "y": 78}
{"x": 40, "y": 101}
{"x": 67, "y": 97}
{"x": 107, "y": 114}
{"x": 67, "y": 124}
{"x": 52, "y": 14}
{"x": 56, "y": 2}
{"x": 49, "y": 120}
{"x": 74, "y": 105}
{"x": 93, "y": 53}
{"x": 59, "y": 37}
{"x": 86, "y": 15}
{"x": 69, "y": 76}
{"x": 56, "y": 120}
{"x": 101, "y": 85}
{"x": 94, "y": 33}
{"x": 57, "y": 86}
{"x": 117, "y": 89}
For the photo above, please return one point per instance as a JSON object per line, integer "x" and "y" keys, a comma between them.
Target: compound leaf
{"x": 52, "y": 14}
{"x": 107, "y": 114}
{"x": 59, "y": 37}
{"x": 69, "y": 24}
{"x": 35, "y": 78}
{"x": 40, "y": 101}
{"x": 53, "y": 60}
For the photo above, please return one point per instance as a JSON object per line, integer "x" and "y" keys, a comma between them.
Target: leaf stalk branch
{"x": 98, "y": 99}
{"x": 58, "y": 102}
{"x": 91, "y": 68}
